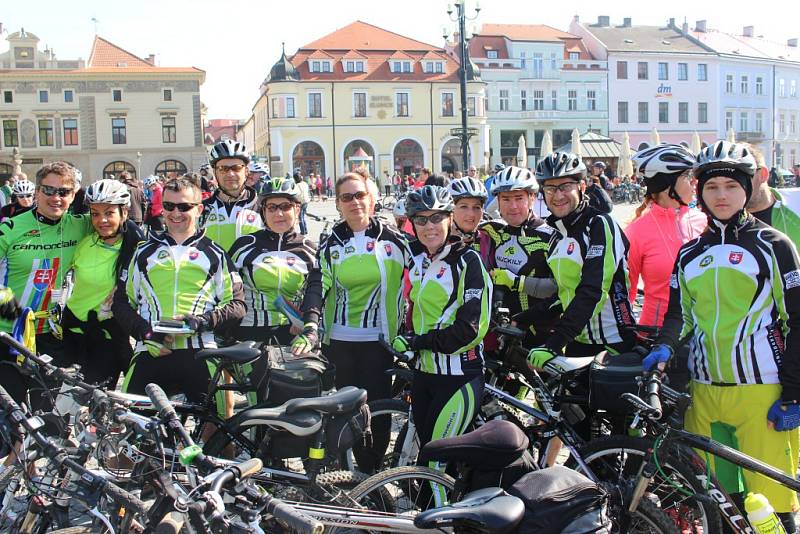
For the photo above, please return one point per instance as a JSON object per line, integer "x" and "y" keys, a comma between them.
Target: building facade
{"x": 112, "y": 113}
{"x": 365, "y": 90}
{"x": 658, "y": 79}
{"x": 539, "y": 80}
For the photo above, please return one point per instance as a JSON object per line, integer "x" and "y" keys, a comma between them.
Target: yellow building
{"x": 112, "y": 113}
{"x": 363, "y": 87}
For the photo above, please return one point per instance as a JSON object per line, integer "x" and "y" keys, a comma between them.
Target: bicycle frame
{"x": 333, "y": 516}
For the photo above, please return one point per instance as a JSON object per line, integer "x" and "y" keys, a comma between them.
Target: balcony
{"x": 549, "y": 115}
{"x": 749, "y": 136}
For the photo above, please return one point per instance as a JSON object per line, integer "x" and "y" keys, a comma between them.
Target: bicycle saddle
{"x": 345, "y": 400}
{"x": 298, "y": 424}
{"x": 241, "y": 353}
{"x": 495, "y": 445}
{"x": 487, "y": 510}
{"x": 566, "y": 364}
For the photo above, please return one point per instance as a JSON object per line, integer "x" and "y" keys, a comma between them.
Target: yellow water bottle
{"x": 761, "y": 515}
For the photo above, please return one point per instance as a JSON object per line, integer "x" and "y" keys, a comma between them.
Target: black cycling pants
{"x": 176, "y": 373}
{"x": 103, "y": 351}
{"x": 444, "y": 406}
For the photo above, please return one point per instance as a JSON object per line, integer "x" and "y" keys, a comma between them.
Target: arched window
{"x": 309, "y": 157}
{"x": 358, "y": 154}
{"x": 451, "y": 156}
{"x": 113, "y": 169}
{"x": 408, "y": 157}
{"x": 170, "y": 168}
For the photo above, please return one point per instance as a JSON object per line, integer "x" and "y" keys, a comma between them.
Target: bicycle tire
{"x": 397, "y": 483}
{"x": 396, "y": 408}
{"x": 615, "y": 452}
{"x": 650, "y": 519}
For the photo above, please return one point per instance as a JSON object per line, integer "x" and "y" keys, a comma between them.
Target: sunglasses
{"x": 180, "y": 206}
{"x": 23, "y": 196}
{"x": 436, "y": 218}
{"x": 348, "y": 197}
{"x": 272, "y": 208}
{"x": 567, "y": 187}
{"x": 50, "y": 191}
{"x": 228, "y": 168}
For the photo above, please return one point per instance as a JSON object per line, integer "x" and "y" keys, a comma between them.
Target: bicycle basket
{"x": 289, "y": 377}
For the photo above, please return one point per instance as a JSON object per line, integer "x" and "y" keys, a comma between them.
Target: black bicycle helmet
{"x": 560, "y": 165}
{"x": 429, "y": 197}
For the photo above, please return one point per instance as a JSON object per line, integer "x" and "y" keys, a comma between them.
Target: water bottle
{"x": 761, "y": 515}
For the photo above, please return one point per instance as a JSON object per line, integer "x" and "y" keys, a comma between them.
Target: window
{"x": 744, "y": 84}
{"x": 553, "y": 62}
{"x": 683, "y": 71}
{"x": 315, "y": 66}
{"x": 44, "y": 96}
{"x": 116, "y": 167}
{"x": 116, "y": 95}
{"x": 702, "y": 112}
{"x": 276, "y": 108}
{"x": 642, "y": 70}
{"x": 353, "y": 66}
{"x": 759, "y": 85}
{"x": 554, "y": 99}
{"x": 401, "y": 66}
{"x": 622, "y": 70}
{"x": 8, "y": 97}
{"x": 782, "y": 123}
{"x": 170, "y": 166}
{"x": 119, "y": 135}
{"x": 572, "y": 100}
{"x": 781, "y": 88}
{"x": 503, "y": 99}
{"x": 401, "y": 107}
{"x": 471, "y": 101}
{"x": 491, "y": 54}
{"x": 728, "y": 120}
{"x": 743, "y": 121}
{"x": 663, "y": 112}
{"x": 447, "y": 104}
{"x": 538, "y": 65}
{"x": 289, "y": 107}
{"x": 326, "y": 66}
{"x": 663, "y": 71}
{"x": 759, "y": 122}
{"x": 622, "y": 112}
{"x": 428, "y": 66}
{"x": 167, "y": 95}
{"x": 359, "y": 104}
{"x": 70, "y": 132}
{"x": 168, "y": 132}
{"x": 793, "y": 89}
{"x": 729, "y": 83}
{"x": 792, "y": 123}
{"x": 683, "y": 112}
{"x": 438, "y": 67}
{"x": 523, "y": 99}
{"x": 315, "y": 105}
{"x": 702, "y": 72}
{"x": 538, "y": 100}
{"x": 45, "y": 132}
{"x": 643, "y": 112}
{"x": 10, "y": 133}
{"x": 574, "y": 56}
{"x": 69, "y": 96}
{"x": 522, "y": 62}
{"x": 591, "y": 100}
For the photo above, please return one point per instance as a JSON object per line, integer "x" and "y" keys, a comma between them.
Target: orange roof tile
{"x": 354, "y": 54}
{"x": 362, "y": 36}
{"x": 479, "y": 44}
{"x": 377, "y": 69}
{"x": 319, "y": 54}
{"x": 400, "y": 55}
{"x": 434, "y": 56}
{"x": 107, "y": 54}
{"x": 526, "y": 32}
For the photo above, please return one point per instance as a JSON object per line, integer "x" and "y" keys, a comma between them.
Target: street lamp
{"x": 139, "y": 165}
{"x": 461, "y": 17}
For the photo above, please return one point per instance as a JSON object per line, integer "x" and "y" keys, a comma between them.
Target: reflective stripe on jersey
{"x": 93, "y": 267}
{"x": 35, "y": 255}
{"x": 225, "y": 222}
{"x": 271, "y": 265}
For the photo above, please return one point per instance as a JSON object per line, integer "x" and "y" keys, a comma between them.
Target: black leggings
{"x": 102, "y": 349}
{"x": 177, "y": 372}
{"x": 364, "y": 364}
{"x": 444, "y": 406}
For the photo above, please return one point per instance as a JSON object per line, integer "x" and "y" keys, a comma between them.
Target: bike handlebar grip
{"x": 402, "y": 356}
{"x": 159, "y": 400}
{"x": 249, "y": 467}
{"x": 125, "y": 498}
{"x": 172, "y": 523}
{"x": 653, "y": 394}
{"x": 295, "y": 520}
{"x": 6, "y": 400}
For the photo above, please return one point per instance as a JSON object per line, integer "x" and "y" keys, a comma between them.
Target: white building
{"x": 540, "y": 79}
{"x": 658, "y": 78}
{"x": 114, "y": 112}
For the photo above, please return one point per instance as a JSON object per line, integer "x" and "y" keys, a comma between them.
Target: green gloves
{"x": 539, "y": 356}
{"x": 307, "y": 340}
{"x": 504, "y": 277}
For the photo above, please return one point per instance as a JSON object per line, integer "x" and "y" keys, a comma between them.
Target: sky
{"x": 237, "y": 42}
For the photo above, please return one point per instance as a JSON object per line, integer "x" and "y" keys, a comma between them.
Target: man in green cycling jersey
{"x": 177, "y": 275}
{"x": 232, "y": 211}
{"x": 36, "y": 249}
{"x": 767, "y": 204}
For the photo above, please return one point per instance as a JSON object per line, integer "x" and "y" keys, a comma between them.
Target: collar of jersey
{"x": 576, "y": 218}
{"x": 342, "y": 231}
{"x": 251, "y": 193}
{"x": 734, "y": 224}
{"x": 452, "y": 245}
{"x": 46, "y": 220}
{"x": 168, "y": 240}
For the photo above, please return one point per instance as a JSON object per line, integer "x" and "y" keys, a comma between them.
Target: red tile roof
{"x": 107, "y": 54}
{"x": 319, "y": 54}
{"x": 362, "y": 36}
{"x": 526, "y": 32}
{"x": 479, "y": 44}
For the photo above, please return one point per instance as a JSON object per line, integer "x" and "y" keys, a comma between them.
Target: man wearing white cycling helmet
{"x": 21, "y": 199}
{"x": 232, "y": 211}
{"x": 468, "y": 194}
{"x": 515, "y": 252}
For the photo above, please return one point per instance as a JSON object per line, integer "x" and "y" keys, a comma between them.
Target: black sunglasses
{"x": 50, "y": 191}
{"x": 181, "y": 206}
{"x": 348, "y": 197}
{"x": 436, "y": 218}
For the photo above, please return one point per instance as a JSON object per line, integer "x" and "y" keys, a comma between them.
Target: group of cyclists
{"x": 721, "y": 282}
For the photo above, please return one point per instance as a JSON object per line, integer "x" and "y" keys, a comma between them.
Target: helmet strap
{"x": 675, "y": 196}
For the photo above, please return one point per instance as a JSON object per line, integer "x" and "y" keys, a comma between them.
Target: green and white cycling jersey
{"x": 358, "y": 287}
{"x": 225, "y": 222}
{"x": 35, "y": 254}
{"x": 272, "y": 265}
{"x": 588, "y": 260}
{"x": 94, "y": 279}
{"x": 166, "y": 280}
{"x": 451, "y": 295}
{"x": 736, "y": 291}
{"x": 785, "y": 219}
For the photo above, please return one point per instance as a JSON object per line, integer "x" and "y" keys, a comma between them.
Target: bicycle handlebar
{"x": 651, "y": 408}
{"x": 404, "y": 357}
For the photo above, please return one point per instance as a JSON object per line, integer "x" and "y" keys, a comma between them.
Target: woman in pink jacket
{"x": 662, "y": 224}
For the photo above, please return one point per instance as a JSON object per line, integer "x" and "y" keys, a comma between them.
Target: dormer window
{"x": 434, "y": 66}
{"x": 574, "y": 56}
{"x": 401, "y": 66}
{"x": 353, "y": 65}
{"x": 491, "y": 54}
{"x": 320, "y": 66}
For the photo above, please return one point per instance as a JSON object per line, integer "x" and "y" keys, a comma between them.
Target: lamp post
{"x": 139, "y": 165}
{"x": 461, "y": 18}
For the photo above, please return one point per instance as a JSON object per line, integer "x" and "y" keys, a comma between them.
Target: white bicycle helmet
{"x": 468, "y": 187}
{"x": 724, "y": 158}
{"x": 23, "y": 188}
{"x": 560, "y": 165}
{"x": 281, "y": 187}
{"x": 514, "y": 179}
{"x": 229, "y": 149}
{"x": 108, "y": 191}
{"x": 661, "y": 165}
{"x": 78, "y": 177}
{"x": 399, "y": 209}
{"x": 151, "y": 180}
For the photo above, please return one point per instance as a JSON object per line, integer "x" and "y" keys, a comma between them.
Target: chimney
{"x": 576, "y": 19}
{"x": 747, "y": 31}
{"x": 672, "y": 22}
{"x": 792, "y": 42}
{"x": 151, "y": 58}
{"x": 685, "y": 28}
{"x": 604, "y": 21}
{"x": 626, "y": 22}
{"x": 700, "y": 26}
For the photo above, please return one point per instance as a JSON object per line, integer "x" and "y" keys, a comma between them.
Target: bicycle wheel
{"x": 401, "y": 451}
{"x": 617, "y": 459}
{"x": 649, "y": 519}
{"x": 404, "y": 491}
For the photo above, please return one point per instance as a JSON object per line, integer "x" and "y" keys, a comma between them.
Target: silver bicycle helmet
{"x": 281, "y": 187}
{"x": 468, "y": 187}
{"x": 560, "y": 165}
{"x": 107, "y": 191}
{"x": 429, "y": 197}
{"x": 723, "y": 158}
{"x": 229, "y": 149}
{"x": 514, "y": 179}
{"x": 661, "y": 165}
{"x": 23, "y": 188}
